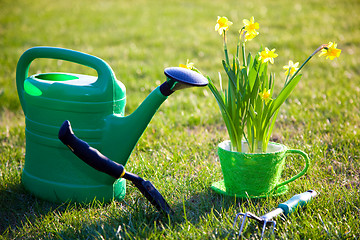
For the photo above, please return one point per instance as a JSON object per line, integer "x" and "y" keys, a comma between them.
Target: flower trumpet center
{"x": 222, "y": 25}
{"x": 251, "y": 25}
{"x": 267, "y": 55}
{"x": 265, "y": 95}
{"x": 291, "y": 67}
{"x": 330, "y": 51}
{"x": 249, "y": 29}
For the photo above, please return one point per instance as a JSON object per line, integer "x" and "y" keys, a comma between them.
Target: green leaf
{"x": 230, "y": 126}
{"x": 230, "y": 73}
{"x": 284, "y": 94}
{"x": 252, "y": 77}
{"x": 271, "y": 83}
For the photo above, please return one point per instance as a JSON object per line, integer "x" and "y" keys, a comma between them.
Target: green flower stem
{"x": 287, "y": 78}
{"x": 306, "y": 61}
{"x": 243, "y": 54}
{"x": 226, "y": 50}
{"x": 238, "y": 49}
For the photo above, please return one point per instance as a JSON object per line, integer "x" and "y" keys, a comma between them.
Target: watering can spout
{"x": 122, "y": 133}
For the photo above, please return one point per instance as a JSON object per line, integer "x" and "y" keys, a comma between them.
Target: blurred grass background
{"x": 178, "y": 150}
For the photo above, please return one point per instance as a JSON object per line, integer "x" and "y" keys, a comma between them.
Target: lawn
{"x": 178, "y": 150}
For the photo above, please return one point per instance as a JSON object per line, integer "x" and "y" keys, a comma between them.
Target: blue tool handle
{"x": 298, "y": 200}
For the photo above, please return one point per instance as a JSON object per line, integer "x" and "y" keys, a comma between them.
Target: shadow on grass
{"x": 18, "y": 207}
{"x": 143, "y": 221}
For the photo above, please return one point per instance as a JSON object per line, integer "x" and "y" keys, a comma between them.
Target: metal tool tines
{"x": 263, "y": 222}
{"x": 285, "y": 208}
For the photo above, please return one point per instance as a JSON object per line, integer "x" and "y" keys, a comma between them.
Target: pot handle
{"x": 103, "y": 69}
{"x": 307, "y": 163}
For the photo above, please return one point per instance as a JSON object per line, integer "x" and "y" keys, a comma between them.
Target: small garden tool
{"x": 287, "y": 207}
{"x": 95, "y": 159}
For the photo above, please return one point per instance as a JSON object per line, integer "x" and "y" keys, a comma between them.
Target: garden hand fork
{"x": 286, "y": 208}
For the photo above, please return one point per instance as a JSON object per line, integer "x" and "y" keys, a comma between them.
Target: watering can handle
{"x": 22, "y": 70}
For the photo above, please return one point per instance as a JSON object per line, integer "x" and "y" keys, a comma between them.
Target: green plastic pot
{"x": 255, "y": 175}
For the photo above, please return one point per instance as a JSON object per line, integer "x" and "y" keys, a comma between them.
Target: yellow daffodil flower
{"x": 330, "y": 51}
{"x": 249, "y": 30}
{"x": 247, "y": 35}
{"x": 222, "y": 25}
{"x": 265, "y": 95}
{"x": 291, "y": 68}
{"x": 251, "y": 25}
{"x": 189, "y": 65}
{"x": 268, "y": 55}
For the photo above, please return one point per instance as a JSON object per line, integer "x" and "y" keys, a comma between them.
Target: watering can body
{"x": 95, "y": 107}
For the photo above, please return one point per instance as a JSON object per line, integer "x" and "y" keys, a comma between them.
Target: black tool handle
{"x": 95, "y": 159}
{"x": 88, "y": 154}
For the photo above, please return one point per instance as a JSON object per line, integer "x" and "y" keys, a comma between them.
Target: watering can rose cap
{"x": 180, "y": 78}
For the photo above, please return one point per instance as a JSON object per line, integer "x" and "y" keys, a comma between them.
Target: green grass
{"x": 178, "y": 150}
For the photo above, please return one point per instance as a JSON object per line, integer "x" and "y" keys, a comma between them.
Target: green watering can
{"x": 95, "y": 107}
